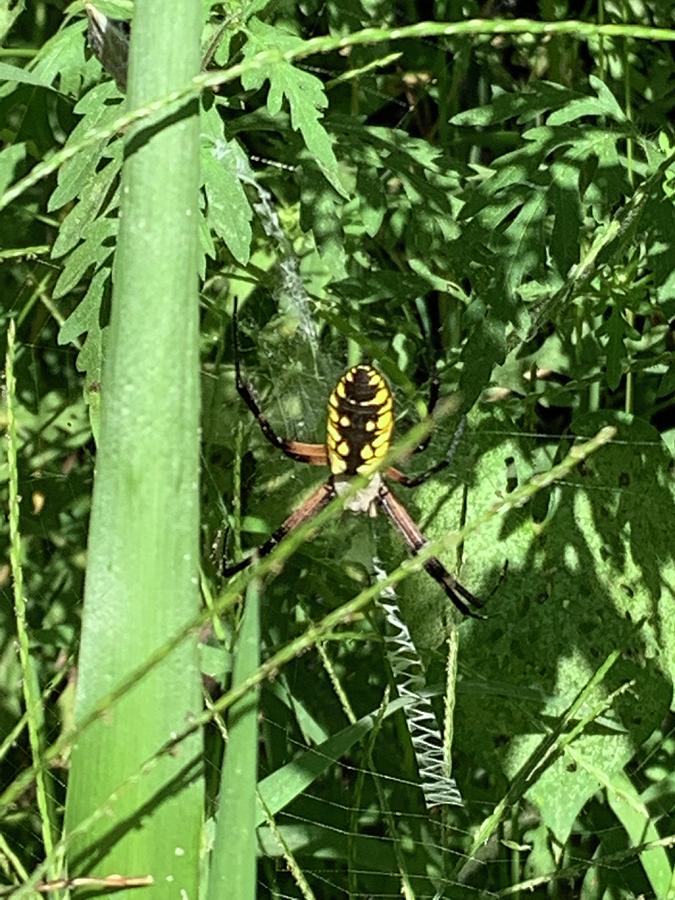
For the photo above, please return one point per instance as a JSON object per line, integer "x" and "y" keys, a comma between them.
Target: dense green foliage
{"x": 492, "y": 201}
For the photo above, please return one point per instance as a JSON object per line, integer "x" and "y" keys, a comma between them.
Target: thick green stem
{"x": 142, "y": 571}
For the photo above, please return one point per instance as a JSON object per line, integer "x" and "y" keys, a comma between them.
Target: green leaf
{"x": 93, "y": 251}
{"x": 484, "y": 348}
{"x": 10, "y": 158}
{"x": 564, "y": 199}
{"x": 86, "y": 313}
{"x": 523, "y": 242}
{"x": 76, "y": 173}
{"x": 280, "y": 788}
{"x": 304, "y": 92}
{"x": 63, "y": 56}
{"x": 84, "y": 211}
{"x": 225, "y": 169}
{"x": 635, "y": 817}
{"x": 320, "y": 214}
{"x": 616, "y": 351}
{"x": 577, "y": 590}
{"x": 22, "y": 76}
{"x": 603, "y": 104}
{"x": 85, "y": 318}
{"x": 116, "y": 9}
{"x": 8, "y": 15}
{"x": 661, "y": 248}
{"x": 371, "y": 202}
{"x": 526, "y": 105}
{"x": 381, "y": 285}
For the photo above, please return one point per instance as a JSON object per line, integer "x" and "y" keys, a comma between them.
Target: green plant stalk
{"x": 29, "y": 677}
{"x": 10, "y": 857}
{"x": 233, "y": 859}
{"x": 142, "y": 569}
{"x": 357, "y": 805}
{"x": 9, "y": 740}
{"x": 165, "y": 104}
{"x": 630, "y": 317}
{"x": 406, "y": 889}
{"x": 336, "y": 684}
{"x": 450, "y": 697}
{"x": 290, "y": 860}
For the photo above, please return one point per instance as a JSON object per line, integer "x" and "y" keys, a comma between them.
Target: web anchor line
{"x": 438, "y": 788}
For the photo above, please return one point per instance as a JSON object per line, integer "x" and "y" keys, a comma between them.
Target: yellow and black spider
{"x": 359, "y": 432}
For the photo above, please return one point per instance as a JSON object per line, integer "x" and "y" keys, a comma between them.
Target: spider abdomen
{"x": 360, "y": 421}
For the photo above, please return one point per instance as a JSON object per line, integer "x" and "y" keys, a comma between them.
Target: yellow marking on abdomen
{"x": 360, "y": 421}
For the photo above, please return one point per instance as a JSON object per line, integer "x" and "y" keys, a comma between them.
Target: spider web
{"x": 573, "y": 590}
{"x": 578, "y": 584}
{"x": 589, "y": 570}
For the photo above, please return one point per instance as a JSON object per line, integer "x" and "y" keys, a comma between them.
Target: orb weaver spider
{"x": 360, "y": 424}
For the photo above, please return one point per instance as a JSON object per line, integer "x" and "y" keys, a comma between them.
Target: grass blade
{"x": 233, "y": 861}
{"x": 31, "y": 689}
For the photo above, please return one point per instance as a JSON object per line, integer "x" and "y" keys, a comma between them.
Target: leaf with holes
{"x": 577, "y": 587}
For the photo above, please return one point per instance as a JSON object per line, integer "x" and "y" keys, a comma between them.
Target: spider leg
{"x": 314, "y": 454}
{"x": 306, "y": 511}
{"x": 413, "y": 480}
{"x": 415, "y": 540}
{"x": 433, "y": 353}
{"x": 432, "y": 400}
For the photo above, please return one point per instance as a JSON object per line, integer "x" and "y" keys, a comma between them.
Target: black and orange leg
{"x": 306, "y": 511}
{"x": 433, "y": 326}
{"x": 432, "y": 402}
{"x": 415, "y": 540}
{"x": 414, "y": 480}
{"x": 314, "y": 454}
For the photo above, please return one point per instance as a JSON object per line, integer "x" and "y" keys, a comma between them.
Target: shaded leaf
{"x": 85, "y": 210}
{"x": 10, "y": 158}
{"x": 22, "y": 76}
{"x": 526, "y": 105}
{"x": 75, "y": 173}
{"x": 303, "y": 91}
{"x": 93, "y": 251}
{"x": 616, "y": 352}
{"x": 564, "y": 199}
{"x": 228, "y": 211}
